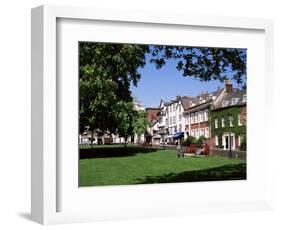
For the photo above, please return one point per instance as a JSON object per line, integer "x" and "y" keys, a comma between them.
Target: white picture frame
{"x": 46, "y": 182}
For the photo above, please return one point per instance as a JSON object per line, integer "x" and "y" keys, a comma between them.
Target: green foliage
{"x": 189, "y": 140}
{"x": 204, "y": 64}
{"x": 106, "y": 72}
{"x": 200, "y": 141}
{"x": 140, "y": 123}
{"x": 192, "y": 140}
{"x": 243, "y": 144}
{"x": 124, "y": 114}
{"x": 225, "y": 113}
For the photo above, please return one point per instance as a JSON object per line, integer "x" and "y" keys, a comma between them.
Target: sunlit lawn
{"x": 135, "y": 165}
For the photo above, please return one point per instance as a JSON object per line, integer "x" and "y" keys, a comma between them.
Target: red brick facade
{"x": 152, "y": 113}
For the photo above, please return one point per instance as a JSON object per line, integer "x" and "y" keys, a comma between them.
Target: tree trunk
{"x": 92, "y": 139}
{"x": 138, "y": 138}
{"x": 125, "y": 142}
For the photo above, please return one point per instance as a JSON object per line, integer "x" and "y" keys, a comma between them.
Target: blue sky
{"x": 167, "y": 83}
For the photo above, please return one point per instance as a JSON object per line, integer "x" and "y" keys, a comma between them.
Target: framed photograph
{"x": 140, "y": 114}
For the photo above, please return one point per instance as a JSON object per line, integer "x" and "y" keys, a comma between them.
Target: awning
{"x": 178, "y": 135}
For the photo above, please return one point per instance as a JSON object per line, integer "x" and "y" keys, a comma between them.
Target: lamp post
{"x": 230, "y": 119}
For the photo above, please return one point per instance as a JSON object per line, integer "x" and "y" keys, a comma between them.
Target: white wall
{"x": 15, "y": 113}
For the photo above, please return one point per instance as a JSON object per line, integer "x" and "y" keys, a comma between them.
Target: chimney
{"x": 228, "y": 86}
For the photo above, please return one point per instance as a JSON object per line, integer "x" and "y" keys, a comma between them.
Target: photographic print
{"x": 161, "y": 114}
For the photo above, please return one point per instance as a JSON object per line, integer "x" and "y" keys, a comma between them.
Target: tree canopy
{"x": 204, "y": 64}
{"x": 106, "y": 72}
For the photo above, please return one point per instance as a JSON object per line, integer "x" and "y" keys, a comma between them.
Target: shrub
{"x": 188, "y": 141}
{"x": 243, "y": 144}
{"x": 200, "y": 141}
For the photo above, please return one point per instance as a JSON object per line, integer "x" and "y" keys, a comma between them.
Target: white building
{"x": 172, "y": 119}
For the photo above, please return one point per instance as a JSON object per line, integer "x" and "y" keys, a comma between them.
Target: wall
{"x": 236, "y": 154}
{"x": 15, "y": 113}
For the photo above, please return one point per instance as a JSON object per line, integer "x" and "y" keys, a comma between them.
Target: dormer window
{"x": 244, "y": 98}
{"x": 224, "y": 103}
{"x": 234, "y": 101}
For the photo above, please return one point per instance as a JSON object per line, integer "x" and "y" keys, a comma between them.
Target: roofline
{"x": 154, "y": 108}
{"x": 229, "y": 106}
{"x": 193, "y": 107}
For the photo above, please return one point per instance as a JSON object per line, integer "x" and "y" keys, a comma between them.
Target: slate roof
{"x": 201, "y": 101}
{"x": 236, "y": 96}
{"x": 185, "y": 100}
{"x": 207, "y": 96}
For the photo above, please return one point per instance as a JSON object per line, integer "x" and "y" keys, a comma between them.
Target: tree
{"x": 105, "y": 74}
{"x": 140, "y": 123}
{"x": 204, "y": 64}
{"x": 124, "y": 113}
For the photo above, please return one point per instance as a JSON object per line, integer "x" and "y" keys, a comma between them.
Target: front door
{"x": 228, "y": 142}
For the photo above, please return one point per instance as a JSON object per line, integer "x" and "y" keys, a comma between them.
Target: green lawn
{"x": 135, "y": 165}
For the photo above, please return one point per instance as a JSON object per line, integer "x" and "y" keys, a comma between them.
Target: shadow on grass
{"x": 113, "y": 152}
{"x": 226, "y": 172}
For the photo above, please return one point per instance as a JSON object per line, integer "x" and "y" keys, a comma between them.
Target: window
{"x": 239, "y": 119}
{"x": 196, "y": 118}
{"x": 244, "y": 98}
{"x": 174, "y": 120}
{"x": 206, "y": 115}
{"x": 216, "y": 123}
{"x": 222, "y": 122}
{"x": 192, "y": 133}
{"x": 180, "y": 117}
{"x": 174, "y": 107}
{"x": 192, "y": 118}
{"x": 180, "y": 129}
{"x": 234, "y": 101}
{"x": 217, "y": 140}
{"x": 207, "y": 132}
{"x": 197, "y": 133}
{"x": 201, "y": 132}
{"x": 199, "y": 117}
{"x": 171, "y": 120}
{"x": 224, "y": 103}
{"x": 179, "y": 108}
{"x": 230, "y": 119}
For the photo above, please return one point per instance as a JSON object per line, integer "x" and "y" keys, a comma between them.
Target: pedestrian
{"x": 178, "y": 148}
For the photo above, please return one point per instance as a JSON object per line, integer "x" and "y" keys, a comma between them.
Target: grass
{"x": 136, "y": 165}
